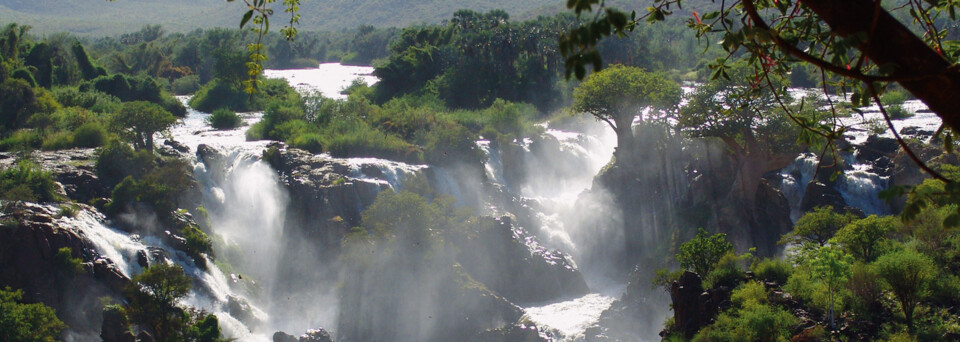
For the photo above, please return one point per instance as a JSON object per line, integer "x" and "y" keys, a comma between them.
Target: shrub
{"x": 185, "y": 85}
{"x": 92, "y": 100}
{"x": 66, "y": 263}
{"x": 197, "y": 241}
{"x": 726, "y": 272}
{"x": 818, "y": 226}
{"x": 24, "y": 139}
{"x": 702, "y": 253}
{"x": 26, "y": 182}
{"x": 224, "y": 119}
{"x": 218, "y": 94}
{"x": 864, "y": 285}
{"x": 311, "y": 142}
{"x": 90, "y": 135}
{"x": 57, "y": 141}
{"x": 116, "y": 160}
{"x": 772, "y": 270}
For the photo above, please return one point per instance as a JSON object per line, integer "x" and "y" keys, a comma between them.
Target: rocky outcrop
{"x": 73, "y": 169}
{"x": 30, "y": 237}
{"x": 509, "y": 261}
{"x": 115, "y": 327}
{"x": 818, "y": 195}
{"x": 312, "y": 335}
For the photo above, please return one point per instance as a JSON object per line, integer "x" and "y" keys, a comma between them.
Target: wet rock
{"x": 688, "y": 303}
{"x": 316, "y": 335}
{"x": 115, "y": 327}
{"x": 283, "y": 337}
{"x": 241, "y": 309}
{"x": 818, "y": 195}
{"x": 523, "y": 270}
{"x": 30, "y": 237}
{"x": 876, "y": 147}
{"x": 176, "y": 145}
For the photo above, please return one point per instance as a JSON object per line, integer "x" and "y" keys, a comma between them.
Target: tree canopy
{"x": 138, "y": 121}
{"x": 618, "y": 94}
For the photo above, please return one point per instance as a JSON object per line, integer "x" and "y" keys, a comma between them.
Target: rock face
{"x": 819, "y": 195}
{"x": 631, "y": 316}
{"x": 313, "y": 335}
{"x": 30, "y": 237}
{"x": 510, "y": 261}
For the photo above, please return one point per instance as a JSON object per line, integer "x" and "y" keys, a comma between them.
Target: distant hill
{"x": 101, "y": 17}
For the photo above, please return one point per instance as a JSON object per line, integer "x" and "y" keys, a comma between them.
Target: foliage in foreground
{"x": 27, "y": 322}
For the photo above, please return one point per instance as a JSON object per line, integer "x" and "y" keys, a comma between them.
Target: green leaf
{"x": 246, "y": 18}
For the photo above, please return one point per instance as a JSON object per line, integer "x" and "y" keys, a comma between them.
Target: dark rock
{"x": 142, "y": 259}
{"x": 176, "y": 145}
{"x": 241, "y": 309}
{"x": 876, "y": 147}
{"x": 510, "y": 261}
{"x": 30, "y": 237}
{"x": 283, "y": 337}
{"x": 692, "y": 307}
{"x": 371, "y": 171}
{"x": 115, "y": 327}
{"x": 818, "y": 195}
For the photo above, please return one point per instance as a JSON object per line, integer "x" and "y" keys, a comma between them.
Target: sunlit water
{"x": 330, "y": 79}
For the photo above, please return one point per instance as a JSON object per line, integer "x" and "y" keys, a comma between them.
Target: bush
{"x": 117, "y": 160}
{"x": 90, "y": 135}
{"x": 26, "y": 182}
{"x": 197, "y": 241}
{"x": 863, "y": 238}
{"x": 66, "y": 263}
{"x": 92, "y": 100}
{"x": 726, "y": 272}
{"x": 185, "y": 85}
{"x": 57, "y": 141}
{"x": 218, "y": 94}
{"x": 864, "y": 286}
{"x": 311, "y": 142}
{"x": 224, "y": 119}
{"x": 897, "y": 112}
{"x": 703, "y": 252}
{"x": 24, "y": 139}
{"x": 772, "y": 270}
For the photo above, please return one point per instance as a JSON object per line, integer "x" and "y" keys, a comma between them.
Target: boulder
{"x": 283, "y": 337}
{"x": 176, "y": 145}
{"x": 818, "y": 194}
{"x": 115, "y": 327}
{"x": 316, "y": 335}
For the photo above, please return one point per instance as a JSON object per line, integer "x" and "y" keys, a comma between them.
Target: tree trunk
{"x": 892, "y": 43}
{"x": 625, "y": 139}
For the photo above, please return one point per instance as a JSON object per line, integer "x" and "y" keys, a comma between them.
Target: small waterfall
{"x": 211, "y": 291}
{"x": 382, "y": 171}
{"x": 493, "y": 167}
{"x": 859, "y": 186}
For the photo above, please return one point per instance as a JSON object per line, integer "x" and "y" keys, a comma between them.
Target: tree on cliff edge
{"x": 619, "y": 94}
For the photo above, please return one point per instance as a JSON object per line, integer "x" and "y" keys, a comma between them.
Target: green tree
{"x": 817, "y": 226}
{"x": 153, "y": 300}
{"x": 862, "y": 237}
{"x": 832, "y": 266}
{"x": 618, "y": 94}
{"x": 703, "y": 252}
{"x": 27, "y": 322}
{"x": 138, "y": 121}
{"x": 906, "y": 272}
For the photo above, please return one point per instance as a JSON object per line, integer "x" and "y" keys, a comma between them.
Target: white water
{"x": 329, "y": 79}
{"x": 557, "y": 192}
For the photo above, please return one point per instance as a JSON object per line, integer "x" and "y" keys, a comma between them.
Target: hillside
{"x": 100, "y": 17}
